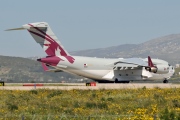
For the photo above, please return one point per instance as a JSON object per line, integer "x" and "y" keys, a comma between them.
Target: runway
{"x": 81, "y": 86}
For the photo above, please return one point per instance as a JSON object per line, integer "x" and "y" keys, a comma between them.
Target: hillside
{"x": 166, "y": 47}
{"x": 16, "y": 69}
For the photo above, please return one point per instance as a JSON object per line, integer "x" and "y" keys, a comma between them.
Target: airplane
{"x": 102, "y": 70}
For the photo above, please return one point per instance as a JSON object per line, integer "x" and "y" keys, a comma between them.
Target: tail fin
{"x": 43, "y": 35}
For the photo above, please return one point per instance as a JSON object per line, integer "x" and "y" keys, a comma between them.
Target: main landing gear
{"x": 116, "y": 81}
{"x": 165, "y": 81}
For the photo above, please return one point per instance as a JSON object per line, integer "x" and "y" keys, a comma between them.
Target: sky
{"x": 86, "y": 24}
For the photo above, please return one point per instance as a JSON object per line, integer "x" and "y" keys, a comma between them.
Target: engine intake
{"x": 152, "y": 69}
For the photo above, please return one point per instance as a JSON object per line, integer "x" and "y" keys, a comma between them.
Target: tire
{"x": 116, "y": 80}
{"x": 165, "y": 81}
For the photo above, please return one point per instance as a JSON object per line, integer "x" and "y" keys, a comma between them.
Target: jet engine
{"x": 152, "y": 69}
{"x": 159, "y": 69}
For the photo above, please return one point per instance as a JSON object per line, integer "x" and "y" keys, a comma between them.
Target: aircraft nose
{"x": 172, "y": 69}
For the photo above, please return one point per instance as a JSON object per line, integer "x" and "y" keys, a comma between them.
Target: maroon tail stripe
{"x": 51, "y": 53}
{"x": 48, "y": 38}
{"x": 63, "y": 52}
{"x": 44, "y": 37}
{"x": 41, "y": 31}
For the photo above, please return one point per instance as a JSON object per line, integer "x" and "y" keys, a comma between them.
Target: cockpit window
{"x": 169, "y": 64}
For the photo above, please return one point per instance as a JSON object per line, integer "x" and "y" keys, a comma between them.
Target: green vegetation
{"x": 134, "y": 104}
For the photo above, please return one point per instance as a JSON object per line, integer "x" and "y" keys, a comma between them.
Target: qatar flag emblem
{"x": 85, "y": 65}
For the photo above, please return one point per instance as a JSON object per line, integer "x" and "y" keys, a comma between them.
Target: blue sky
{"x": 82, "y": 24}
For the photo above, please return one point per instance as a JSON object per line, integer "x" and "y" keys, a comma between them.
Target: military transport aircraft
{"x": 98, "y": 69}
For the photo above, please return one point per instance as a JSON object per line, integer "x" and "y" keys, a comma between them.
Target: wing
{"x": 130, "y": 63}
{"x": 125, "y": 64}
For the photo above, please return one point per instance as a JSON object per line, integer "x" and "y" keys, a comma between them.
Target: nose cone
{"x": 171, "y": 70}
{"x": 50, "y": 60}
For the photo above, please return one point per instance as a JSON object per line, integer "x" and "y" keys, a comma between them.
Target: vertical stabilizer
{"x": 42, "y": 34}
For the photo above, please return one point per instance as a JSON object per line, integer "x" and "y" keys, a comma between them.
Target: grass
{"x": 134, "y": 104}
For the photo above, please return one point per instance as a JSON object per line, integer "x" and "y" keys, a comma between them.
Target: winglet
{"x": 150, "y": 64}
{"x": 44, "y": 67}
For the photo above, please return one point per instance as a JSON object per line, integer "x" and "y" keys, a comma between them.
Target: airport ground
{"x": 82, "y": 86}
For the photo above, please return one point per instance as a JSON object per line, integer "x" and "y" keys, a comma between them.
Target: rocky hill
{"x": 16, "y": 69}
{"x": 167, "y": 48}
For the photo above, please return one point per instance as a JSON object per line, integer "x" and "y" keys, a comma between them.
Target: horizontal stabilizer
{"x": 39, "y": 25}
{"x": 21, "y": 28}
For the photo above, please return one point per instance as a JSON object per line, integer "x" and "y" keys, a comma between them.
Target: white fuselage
{"x": 102, "y": 69}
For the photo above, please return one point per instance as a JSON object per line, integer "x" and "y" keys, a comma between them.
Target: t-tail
{"x": 43, "y": 35}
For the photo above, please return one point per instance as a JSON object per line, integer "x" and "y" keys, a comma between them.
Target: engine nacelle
{"x": 159, "y": 69}
{"x": 152, "y": 69}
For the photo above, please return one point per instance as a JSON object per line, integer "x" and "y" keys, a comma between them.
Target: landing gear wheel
{"x": 116, "y": 80}
{"x": 165, "y": 81}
